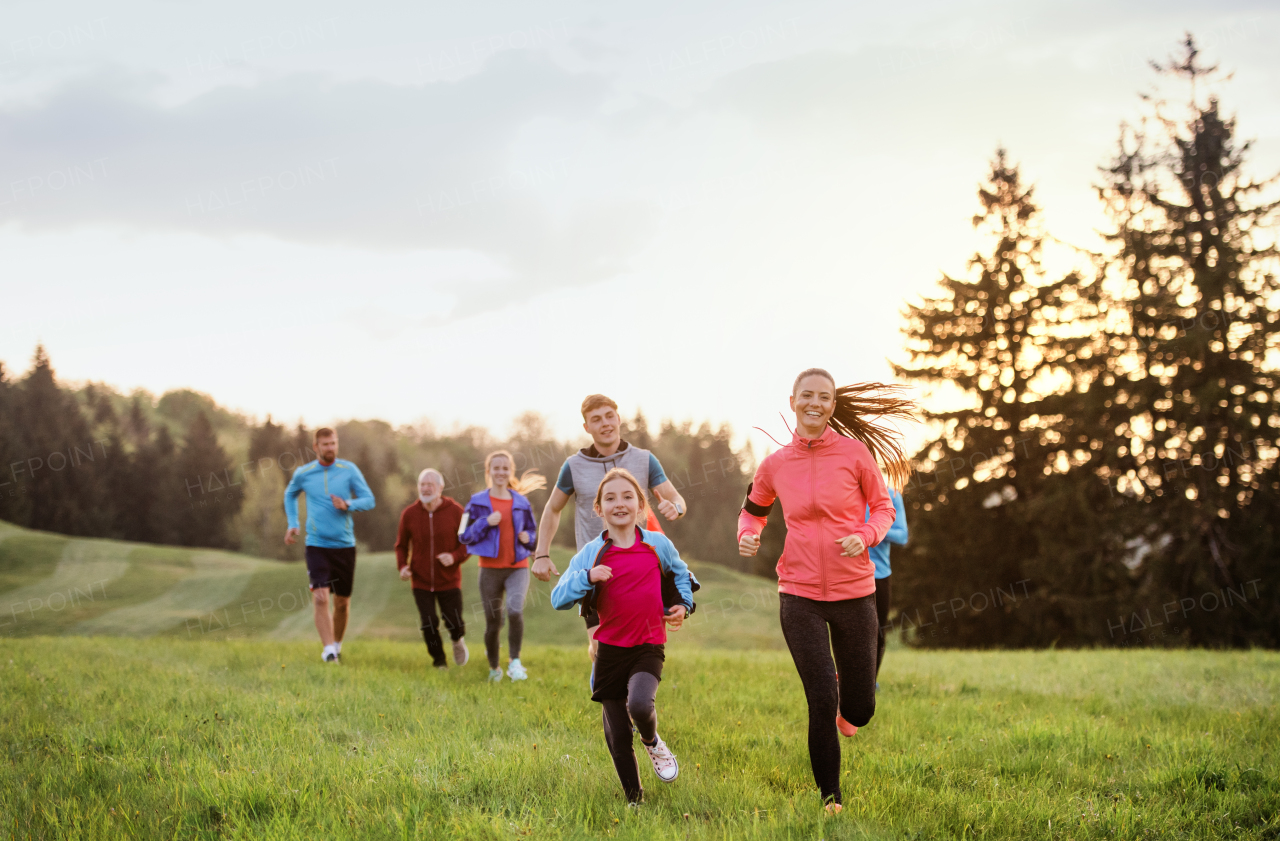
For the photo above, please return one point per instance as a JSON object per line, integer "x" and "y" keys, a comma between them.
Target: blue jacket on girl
{"x": 482, "y": 538}
{"x": 575, "y": 584}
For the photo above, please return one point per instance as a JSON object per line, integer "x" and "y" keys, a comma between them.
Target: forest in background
{"x": 181, "y": 470}
{"x": 1110, "y": 476}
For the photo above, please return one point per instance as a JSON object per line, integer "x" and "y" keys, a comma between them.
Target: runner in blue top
{"x": 897, "y": 534}
{"x": 334, "y": 489}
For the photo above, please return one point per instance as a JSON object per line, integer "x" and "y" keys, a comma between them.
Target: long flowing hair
{"x": 531, "y": 481}
{"x": 864, "y": 411}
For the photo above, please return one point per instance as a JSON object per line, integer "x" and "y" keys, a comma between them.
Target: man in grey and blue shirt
{"x": 580, "y": 477}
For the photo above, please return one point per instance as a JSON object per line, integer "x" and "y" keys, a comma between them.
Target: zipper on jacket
{"x": 822, "y": 542}
{"x": 431, "y": 522}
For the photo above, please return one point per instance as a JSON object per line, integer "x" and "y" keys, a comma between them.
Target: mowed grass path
{"x": 53, "y": 585}
{"x": 169, "y": 738}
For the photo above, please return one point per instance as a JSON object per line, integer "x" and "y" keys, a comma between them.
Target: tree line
{"x": 179, "y": 469}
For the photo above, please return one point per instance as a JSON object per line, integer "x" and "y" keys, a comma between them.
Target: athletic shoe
{"x": 460, "y": 653}
{"x": 331, "y": 657}
{"x": 515, "y": 671}
{"x": 495, "y": 675}
{"x": 664, "y": 761}
{"x": 440, "y": 665}
{"x": 338, "y": 647}
{"x": 834, "y": 808}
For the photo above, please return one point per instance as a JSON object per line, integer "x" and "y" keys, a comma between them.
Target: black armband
{"x": 754, "y": 510}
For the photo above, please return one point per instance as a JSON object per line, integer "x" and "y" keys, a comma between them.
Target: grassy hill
{"x": 163, "y": 738}
{"x": 51, "y": 584}
{"x": 155, "y": 692}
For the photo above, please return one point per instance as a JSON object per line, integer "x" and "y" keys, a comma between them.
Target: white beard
{"x": 427, "y": 500}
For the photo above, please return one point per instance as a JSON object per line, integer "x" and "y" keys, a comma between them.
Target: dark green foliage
{"x": 703, "y": 466}
{"x": 222, "y": 485}
{"x": 1116, "y": 447}
{"x": 207, "y": 490}
{"x": 53, "y": 447}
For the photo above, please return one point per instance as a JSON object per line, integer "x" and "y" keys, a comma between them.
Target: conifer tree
{"x": 13, "y": 501}
{"x": 1195, "y": 418}
{"x": 207, "y": 493}
{"x": 1001, "y": 346}
{"x": 59, "y": 449}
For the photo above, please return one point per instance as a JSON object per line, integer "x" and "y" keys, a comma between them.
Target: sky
{"x": 462, "y": 212}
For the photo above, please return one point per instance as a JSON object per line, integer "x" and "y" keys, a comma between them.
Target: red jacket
{"x": 431, "y": 533}
{"x": 826, "y": 485}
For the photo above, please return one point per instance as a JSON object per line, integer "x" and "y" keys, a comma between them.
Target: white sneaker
{"x": 495, "y": 675}
{"x": 329, "y": 655}
{"x": 337, "y": 646}
{"x": 460, "y": 652}
{"x": 664, "y": 761}
{"x": 515, "y": 671}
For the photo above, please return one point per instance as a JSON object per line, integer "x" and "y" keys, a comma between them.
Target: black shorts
{"x": 332, "y": 568}
{"x": 615, "y": 664}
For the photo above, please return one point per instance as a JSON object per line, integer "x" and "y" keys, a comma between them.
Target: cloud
{"x": 358, "y": 163}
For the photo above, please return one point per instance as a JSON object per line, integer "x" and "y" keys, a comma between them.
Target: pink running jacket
{"x": 826, "y": 485}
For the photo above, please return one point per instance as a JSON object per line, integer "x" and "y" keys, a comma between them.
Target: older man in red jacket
{"x": 429, "y": 554}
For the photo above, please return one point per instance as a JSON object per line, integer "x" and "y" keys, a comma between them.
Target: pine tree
{"x": 209, "y": 496}
{"x": 14, "y": 506}
{"x": 1004, "y": 346}
{"x": 59, "y": 451}
{"x": 268, "y": 441}
{"x": 1196, "y": 418}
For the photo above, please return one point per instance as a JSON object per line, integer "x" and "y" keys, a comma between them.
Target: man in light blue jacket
{"x": 334, "y": 488}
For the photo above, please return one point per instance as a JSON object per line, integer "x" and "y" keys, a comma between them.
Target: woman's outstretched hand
{"x": 748, "y": 545}
{"x": 675, "y": 617}
{"x": 851, "y": 546}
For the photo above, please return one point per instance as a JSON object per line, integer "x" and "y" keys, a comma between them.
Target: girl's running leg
{"x": 642, "y": 688}
{"x": 853, "y": 641}
{"x": 491, "y": 581}
{"x": 617, "y": 735}
{"x": 805, "y": 630}
{"x": 517, "y": 587}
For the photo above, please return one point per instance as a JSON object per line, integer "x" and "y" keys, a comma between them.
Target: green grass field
{"x": 120, "y": 720}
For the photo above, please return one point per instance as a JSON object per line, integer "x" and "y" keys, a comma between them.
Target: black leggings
{"x": 883, "y": 594}
{"x": 450, "y": 602}
{"x": 642, "y": 688}
{"x": 852, "y": 638}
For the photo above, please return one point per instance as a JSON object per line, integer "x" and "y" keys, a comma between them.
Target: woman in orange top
{"x": 502, "y": 534}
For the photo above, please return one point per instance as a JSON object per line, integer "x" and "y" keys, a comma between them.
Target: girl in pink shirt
{"x": 638, "y": 584}
{"x": 828, "y": 479}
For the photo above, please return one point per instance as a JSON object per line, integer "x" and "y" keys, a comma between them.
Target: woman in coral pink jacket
{"x": 827, "y": 479}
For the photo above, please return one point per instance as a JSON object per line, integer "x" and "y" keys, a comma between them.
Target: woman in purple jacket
{"x": 500, "y": 530}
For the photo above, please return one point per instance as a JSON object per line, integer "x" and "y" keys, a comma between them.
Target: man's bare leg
{"x": 324, "y": 622}
{"x": 341, "y": 612}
